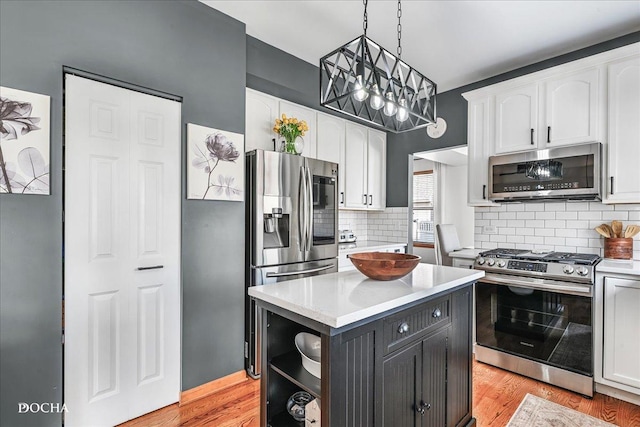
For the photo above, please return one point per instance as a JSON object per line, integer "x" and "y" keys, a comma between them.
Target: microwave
{"x": 564, "y": 173}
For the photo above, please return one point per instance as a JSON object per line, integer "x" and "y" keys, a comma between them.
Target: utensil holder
{"x": 618, "y": 248}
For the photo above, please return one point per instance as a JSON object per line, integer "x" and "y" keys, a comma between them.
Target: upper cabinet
{"x": 479, "y": 149}
{"x": 571, "y": 109}
{"x": 360, "y": 152}
{"x": 365, "y": 175}
{"x": 553, "y": 112}
{"x": 261, "y": 113}
{"x": 516, "y": 119}
{"x": 623, "y": 183}
{"x": 594, "y": 99}
{"x": 330, "y": 147}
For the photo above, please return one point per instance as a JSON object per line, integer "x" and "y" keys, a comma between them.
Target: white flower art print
{"x": 24, "y": 142}
{"x": 215, "y": 164}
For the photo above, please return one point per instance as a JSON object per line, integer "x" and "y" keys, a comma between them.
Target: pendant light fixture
{"x": 366, "y": 81}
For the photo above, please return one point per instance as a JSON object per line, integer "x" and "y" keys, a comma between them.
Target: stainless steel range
{"x": 534, "y": 315}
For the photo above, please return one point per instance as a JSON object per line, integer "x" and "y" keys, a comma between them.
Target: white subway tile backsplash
{"x": 555, "y": 223}
{"x": 589, "y": 215}
{"x": 566, "y": 215}
{"x": 561, "y": 226}
{"x": 618, "y": 215}
{"x": 567, "y": 232}
{"x": 545, "y": 215}
{"x": 526, "y": 215}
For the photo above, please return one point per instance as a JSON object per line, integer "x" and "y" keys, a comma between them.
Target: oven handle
{"x": 539, "y": 284}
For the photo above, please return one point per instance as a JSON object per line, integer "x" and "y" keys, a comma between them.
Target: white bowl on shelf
{"x": 308, "y": 346}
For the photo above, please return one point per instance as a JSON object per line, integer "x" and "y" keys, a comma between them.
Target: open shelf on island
{"x": 289, "y": 365}
{"x": 283, "y": 419}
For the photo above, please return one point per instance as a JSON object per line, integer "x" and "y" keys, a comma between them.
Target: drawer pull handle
{"x": 403, "y": 328}
{"x": 437, "y": 313}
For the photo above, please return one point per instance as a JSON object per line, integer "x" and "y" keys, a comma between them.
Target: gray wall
{"x": 183, "y": 48}
{"x": 453, "y": 108}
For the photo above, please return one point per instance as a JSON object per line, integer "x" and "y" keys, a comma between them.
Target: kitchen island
{"x": 394, "y": 353}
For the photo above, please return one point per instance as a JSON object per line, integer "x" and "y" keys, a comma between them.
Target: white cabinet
{"x": 479, "y": 140}
{"x": 623, "y": 176}
{"x": 309, "y": 116}
{"x": 330, "y": 147}
{"x": 376, "y": 170}
{"x": 365, "y": 175}
{"x": 516, "y": 119}
{"x": 571, "y": 109}
{"x": 621, "y": 349}
{"x": 261, "y": 113}
{"x": 548, "y": 113}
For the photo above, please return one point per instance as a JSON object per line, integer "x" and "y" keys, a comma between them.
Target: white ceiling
{"x": 451, "y": 42}
{"x": 450, "y": 156}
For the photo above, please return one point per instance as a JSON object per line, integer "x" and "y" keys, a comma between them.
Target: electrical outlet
{"x": 490, "y": 229}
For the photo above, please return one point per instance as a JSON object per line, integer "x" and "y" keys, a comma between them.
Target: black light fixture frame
{"x": 340, "y": 68}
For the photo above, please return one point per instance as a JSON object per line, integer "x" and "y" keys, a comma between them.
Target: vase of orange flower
{"x": 292, "y": 130}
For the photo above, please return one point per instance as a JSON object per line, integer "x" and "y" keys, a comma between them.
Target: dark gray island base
{"x": 407, "y": 366}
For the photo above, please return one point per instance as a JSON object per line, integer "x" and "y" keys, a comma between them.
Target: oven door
{"x": 542, "y": 320}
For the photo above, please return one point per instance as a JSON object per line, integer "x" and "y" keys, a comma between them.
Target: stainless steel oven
{"x": 534, "y": 315}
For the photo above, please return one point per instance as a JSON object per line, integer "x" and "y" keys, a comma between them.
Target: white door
{"x": 330, "y": 146}
{"x": 623, "y": 183}
{"x": 355, "y": 161}
{"x": 571, "y": 109}
{"x": 376, "y": 170}
{"x": 621, "y": 324}
{"x": 261, "y": 114}
{"x": 516, "y": 119}
{"x": 122, "y": 253}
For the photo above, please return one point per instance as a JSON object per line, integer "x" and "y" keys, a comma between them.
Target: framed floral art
{"x": 24, "y": 142}
{"x": 215, "y": 164}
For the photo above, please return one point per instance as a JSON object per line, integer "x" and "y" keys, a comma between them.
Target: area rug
{"x": 537, "y": 412}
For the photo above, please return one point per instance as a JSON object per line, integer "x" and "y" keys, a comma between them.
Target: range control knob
{"x": 480, "y": 260}
{"x": 491, "y": 262}
{"x": 582, "y": 271}
{"x": 567, "y": 269}
{"x": 501, "y": 263}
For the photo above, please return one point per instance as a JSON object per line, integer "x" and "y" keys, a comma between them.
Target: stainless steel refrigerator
{"x": 292, "y": 228}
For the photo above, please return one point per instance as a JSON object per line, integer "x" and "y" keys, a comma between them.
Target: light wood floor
{"x": 496, "y": 396}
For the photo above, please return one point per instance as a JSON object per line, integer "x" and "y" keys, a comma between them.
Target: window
{"x": 423, "y": 229}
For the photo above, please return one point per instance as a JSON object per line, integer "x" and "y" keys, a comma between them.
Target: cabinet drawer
{"x": 411, "y": 324}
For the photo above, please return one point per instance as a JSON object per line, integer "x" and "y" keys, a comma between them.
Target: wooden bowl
{"x": 384, "y": 265}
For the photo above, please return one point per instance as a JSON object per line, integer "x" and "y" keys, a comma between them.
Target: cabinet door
{"x": 517, "y": 119}
{"x": 376, "y": 170}
{"x": 309, "y": 116}
{"x": 621, "y": 325}
{"x": 434, "y": 379}
{"x": 402, "y": 387}
{"x": 571, "y": 109}
{"x": 479, "y": 149}
{"x": 355, "y": 167}
{"x": 261, "y": 112}
{"x": 330, "y": 146}
{"x": 623, "y": 183}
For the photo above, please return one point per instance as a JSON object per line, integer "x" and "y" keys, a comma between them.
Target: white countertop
{"x": 367, "y": 245}
{"x": 619, "y": 266}
{"x": 339, "y": 299}
{"x": 469, "y": 253}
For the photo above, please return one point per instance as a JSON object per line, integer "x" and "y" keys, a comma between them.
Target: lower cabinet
{"x": 415, "y": 383}
{"x": 407, "y": 367}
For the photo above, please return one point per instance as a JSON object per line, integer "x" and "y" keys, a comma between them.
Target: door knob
{"x": 403, "y": 328}
{"x": 437, "y": 313}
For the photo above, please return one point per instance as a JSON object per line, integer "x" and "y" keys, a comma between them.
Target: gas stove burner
{"x": 502, "y": 253}
{"x": 572, "y": 258}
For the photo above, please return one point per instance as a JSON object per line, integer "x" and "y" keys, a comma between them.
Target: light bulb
{"x": 390, "y": 107}
{"x": 360, "y": 93}
{"x": 403, "y": 113}
{"x": 377, "y": 101}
